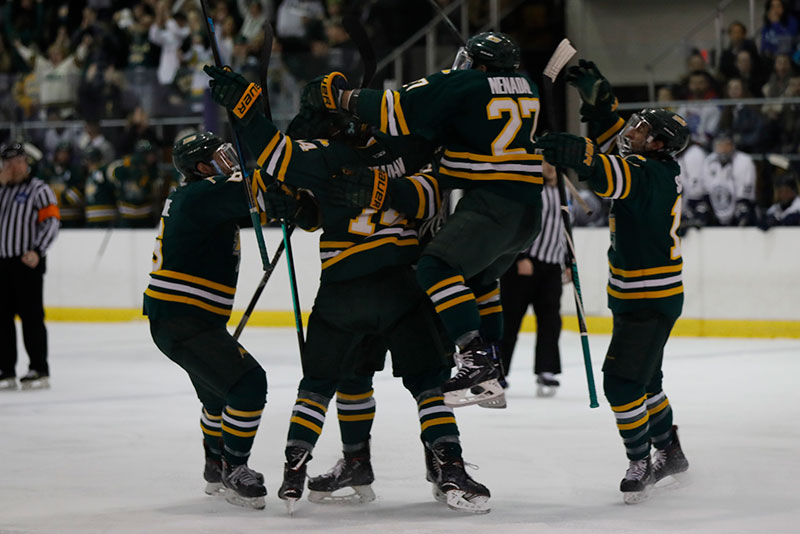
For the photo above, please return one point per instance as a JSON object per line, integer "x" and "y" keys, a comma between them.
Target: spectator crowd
{"x": 84, "y": 62}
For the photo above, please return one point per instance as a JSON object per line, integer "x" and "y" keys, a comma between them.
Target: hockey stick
{"x": 260, "y": 289}
{"x": 576, "y": 195}
{"x": 450, "y": 25}
{"x": 266, "y": 54}
{"x": 103, "y": 246}
{"x": 560, "y": 57}
{"x": 358, "y": 34}
{"x": 251, "y": 201}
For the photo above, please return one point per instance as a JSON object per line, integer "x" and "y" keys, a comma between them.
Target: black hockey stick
{"x": 266, "y": 54}
{"x": 260, "y": 289}
{"x": 560, "y": 57}
{"x": 358, "y": 34}
{"x": 448, "y": 22}
{"x": 251, "y": 201}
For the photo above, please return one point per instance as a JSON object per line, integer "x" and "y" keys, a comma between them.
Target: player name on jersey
{"x": 509, "y": 85}
{"x": 395, "y": 169}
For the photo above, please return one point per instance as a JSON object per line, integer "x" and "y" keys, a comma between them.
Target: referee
{"x": 536, "y": 279}
{"x": 29, "y": 222}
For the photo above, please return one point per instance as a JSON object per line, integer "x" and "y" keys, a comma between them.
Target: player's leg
{"x": 490, "y": 308}
{"x": 547, "y": 308}
{"x": 633, "y": 358}
{"x": 668, "y": 457}
{"x": 484, "y": 228}
{"x": 231, "y": 385}
{"x": 8, "y": 331}
{"x": 30, "y": 307}
{"x": 355, "y": 406}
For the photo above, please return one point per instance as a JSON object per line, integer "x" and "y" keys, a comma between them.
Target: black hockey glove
{"x": 595, "y": 90}
{"x": 233, "y": 92}
{"x": 567, "y": 150}
{"x": 280, "y": 202}
{"x": 360, "y": 188}
{"x": 325, "y": 92}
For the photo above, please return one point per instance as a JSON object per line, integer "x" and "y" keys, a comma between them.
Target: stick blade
{"x": 562, "y": 55}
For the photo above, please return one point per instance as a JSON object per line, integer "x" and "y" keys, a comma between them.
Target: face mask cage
{"x": 624, "y": 142}
{"x": 224, "y": 159}
{"x": 463, "y": 60}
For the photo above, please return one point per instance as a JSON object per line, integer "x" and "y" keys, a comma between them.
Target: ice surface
{"x": 115, "y": 446}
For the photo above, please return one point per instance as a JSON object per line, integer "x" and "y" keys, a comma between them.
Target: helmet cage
{"x": 624, "y": 144}
{"x": 463, "y": 60}
{"x": 225, "y": 160}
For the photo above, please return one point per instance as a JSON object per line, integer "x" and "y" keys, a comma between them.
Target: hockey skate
{"x": 8, "y": 383}
{"x": 476, "y": 380}
{"x": 498, "y": 402}
{"x": 212, "y": 474}
{"x": 294, "y": 476}
{"x": 353, "y": 471}
{"x": 451, "y": 483}
{"x": 34, "y": 380}
{"x": 546, "y": 385}
{"x": 638, "y": 481}
{"x": 671, "y": 462}
{"x": 242, "y": 487}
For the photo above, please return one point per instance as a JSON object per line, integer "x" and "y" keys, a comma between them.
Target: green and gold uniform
{"x": 485, "y": 123}
{"x": 101, "y": 199}
{"x": 137, "y": 186}
{"x": 645, "y": 284}
{"x": 188, "y": 302}
{"x": 68, "y": 183}
{"x": 368, "y": 300}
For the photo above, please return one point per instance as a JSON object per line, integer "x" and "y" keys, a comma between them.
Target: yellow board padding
{"x": 688, "y": 327}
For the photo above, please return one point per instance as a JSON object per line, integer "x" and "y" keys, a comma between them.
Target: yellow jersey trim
{"x": 195, "y": 280}
{"x": 187, "y": 300}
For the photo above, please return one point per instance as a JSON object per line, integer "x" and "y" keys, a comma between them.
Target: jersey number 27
{"x": 516, "y": 109}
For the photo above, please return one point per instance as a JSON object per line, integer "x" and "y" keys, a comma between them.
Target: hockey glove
{"x": 233, "y": 92}
{"x": 567, "y": 150}
{"x": 324, "y": 92}
{"x": 280, "y": 202}
{"x": 360, "y": 188}
{"x": 595, "y": 90}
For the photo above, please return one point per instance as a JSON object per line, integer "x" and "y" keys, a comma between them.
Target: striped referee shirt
{"x": 550, "y": 245}
{"x": 29, "y": 218}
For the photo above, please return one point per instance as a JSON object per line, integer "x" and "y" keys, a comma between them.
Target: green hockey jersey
{"x": 101, "y": 198}
{"x": 354, "y": 241}
{"x": 197, "y": 251}
{"x": 484, "y": 121}
{"x": 136, "y": 189}
{"x": 68, "y": 183}
{"x": 645, "y": 262}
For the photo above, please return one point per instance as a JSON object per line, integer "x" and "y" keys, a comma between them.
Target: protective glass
{"x": 463, "y": 60}
{"x": 634, "y": 136}
{"x": 224, "y": 159}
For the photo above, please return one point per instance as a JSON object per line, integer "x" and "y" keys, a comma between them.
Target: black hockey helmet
{"x": 203, "y": 147}
{"x": 12, "y": 150}
{"x": 495, "y": 50}
{"x": 665, "y": 126}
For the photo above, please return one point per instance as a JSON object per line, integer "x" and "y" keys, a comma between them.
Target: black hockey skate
{"x": 670, "y": 461}
{"x": 546, "y": 385}
{"x": 294, "y": 476}
{"x": 34, "y": 380}
{"x": 242, "y": 487}
{"x": 476, "y": 380}
{"x": 451, "y": 483}
{"x": 495, "y": 357}
{"x": 353, "y": 471}
{"x": 638, "y": 481}
{"x": 212, "y": 474}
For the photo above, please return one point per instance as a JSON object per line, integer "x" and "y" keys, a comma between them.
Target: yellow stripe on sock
{"x": 626, "y": 407}
{"x": 359, "y": 396}
{"x": 635, "y": 424}
{"x": 430, "y": 400}
{"x": 248, "y": 434}
{"x": 450, "y": 303}
{"x": 357, "y": 417}
{"x": 658, "y": 408}
{"x": 313, "y": 403}
{"x": 487, "y": 311}
{"x": 307, "y": 424}
{"x": 240, "y": 413}
{"x": 446, "y": 282}
{"x": 438, "y": 421}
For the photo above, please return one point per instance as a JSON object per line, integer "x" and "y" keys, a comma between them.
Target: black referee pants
{"x": 543, "y": 291}
{"x": 21, "y": 294}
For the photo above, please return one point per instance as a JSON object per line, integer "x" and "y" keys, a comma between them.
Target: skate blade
{"x": 466, "y": 397}
{"x": 459, "y": 501}
{"x": 41, "y": 383}
{"x": 291, "y": 504}
{"x": 360, "y": 494}
{"x": 439, "y": 495}
{"x": 635, "y": 497}
{"x": 674, "y": 481}
{"x": 497, "y": 403}
{"x": 8, "y": 385}
{"x": 546, "y": 391}
{"x": 246, "y": 502}
{"x": 215, "y": 489}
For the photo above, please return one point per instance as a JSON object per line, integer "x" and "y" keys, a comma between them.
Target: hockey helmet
{"x": 494, "y": 50}
{"x": 657, "y": 124}
{"x": 207, "y": 148}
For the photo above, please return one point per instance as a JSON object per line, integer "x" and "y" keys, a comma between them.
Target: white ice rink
{"x": 115, "y": 446}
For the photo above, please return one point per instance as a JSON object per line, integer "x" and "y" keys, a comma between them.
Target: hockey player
{"x": 101, "y": 191}
{"x": 483, "y": 113}
{"x": 137, "y": 182}
{"x": 189, "y": 301}
{"x": 645, "y": 287}
{"x": 68, "y": 182}
{"x": 368, "y": 298}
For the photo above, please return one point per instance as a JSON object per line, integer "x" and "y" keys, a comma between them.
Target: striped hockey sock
{"x": 356, "y": 412}
{"x": 452, "y": 299}
{"x": 211, "y": 425}
{"x": 437, "y": 421}
{"x": 491, "y": 311}
{"x": 660, "y": 413}
{"x": 239, "y": 428}
{"x": 308, "y": 417}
